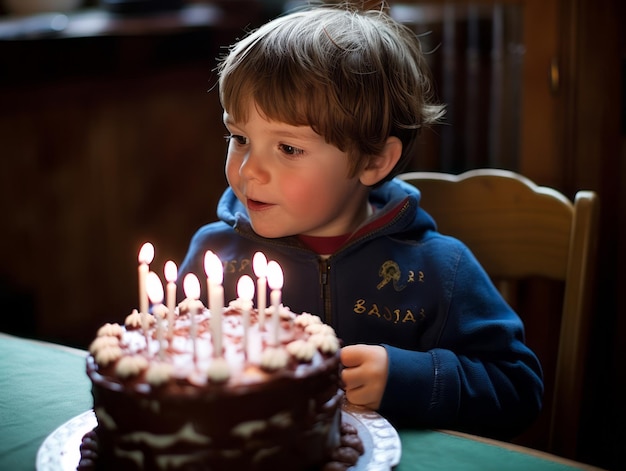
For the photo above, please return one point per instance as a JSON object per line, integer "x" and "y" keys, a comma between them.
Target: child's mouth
{"x": 255, "y": 205}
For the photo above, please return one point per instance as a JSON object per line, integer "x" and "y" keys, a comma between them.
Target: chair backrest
{"x": 520, "y": 231}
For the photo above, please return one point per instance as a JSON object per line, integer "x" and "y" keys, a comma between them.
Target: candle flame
{"x": 146, "y": 254}
{"x": 259, "y": 264}
{"x": 154, "y": 287}
{"x": 274, "y": 275}
{"x": 213, "y": 268}
{"x": 245, "y": 288}
{"x": 191, "y": 286}
{"x": 171, "y": 271}
{"x": 207, "y": 261}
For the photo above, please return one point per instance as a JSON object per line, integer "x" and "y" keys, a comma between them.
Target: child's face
{"x": 291, "y": 180}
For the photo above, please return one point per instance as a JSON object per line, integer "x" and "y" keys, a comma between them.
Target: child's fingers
{"x": 361, "y": 396}
{"x": 351, "y": 356}
{"x": 352, "y": 378}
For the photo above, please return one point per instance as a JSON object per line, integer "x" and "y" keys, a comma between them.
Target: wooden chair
{"x": 521, "y": 232}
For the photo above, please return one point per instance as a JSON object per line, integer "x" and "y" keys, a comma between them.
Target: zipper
{"x": 324, "y": 264}
{"x": 324, "y": 279}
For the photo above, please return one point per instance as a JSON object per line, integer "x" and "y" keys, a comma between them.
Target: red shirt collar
{"x": 329, "y": 245}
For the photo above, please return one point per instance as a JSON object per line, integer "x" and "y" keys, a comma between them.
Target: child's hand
{"x": 364, "y": 374}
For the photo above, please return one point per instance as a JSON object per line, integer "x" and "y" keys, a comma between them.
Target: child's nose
{"x": 252, "y": 167}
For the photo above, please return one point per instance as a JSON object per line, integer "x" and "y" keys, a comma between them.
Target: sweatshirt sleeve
{"x": 479, "y": 376}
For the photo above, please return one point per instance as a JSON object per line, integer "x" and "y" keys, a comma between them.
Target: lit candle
{"x": 154, "y": 289}
{"x": 259, "y": 265}
{"x": 191, "y": 286}
{"x": 245, "y": 292}
{"x": 171, "y": 274}
{"x": 275, "y": 280}
{"x": 146, "y": 254}
{"x": 215, "y": 275}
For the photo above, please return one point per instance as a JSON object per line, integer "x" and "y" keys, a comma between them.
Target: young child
{"x": 322, "y": 107}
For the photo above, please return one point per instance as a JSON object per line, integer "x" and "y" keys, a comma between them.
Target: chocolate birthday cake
{"x": 269, "y": 399}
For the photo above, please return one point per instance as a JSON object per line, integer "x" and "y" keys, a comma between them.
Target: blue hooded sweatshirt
{"x": 456, "y": 351}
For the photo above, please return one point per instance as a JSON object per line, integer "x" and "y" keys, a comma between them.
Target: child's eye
{"x": 290, "y": 150}
{"x": 241, "y": 140}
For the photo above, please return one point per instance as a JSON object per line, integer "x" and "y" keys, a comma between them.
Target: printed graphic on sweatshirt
{"x": 392, "y": 277}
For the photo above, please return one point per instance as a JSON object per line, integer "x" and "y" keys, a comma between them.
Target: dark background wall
{"x": 113, "y": 137}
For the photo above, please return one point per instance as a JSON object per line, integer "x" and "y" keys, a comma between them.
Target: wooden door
{"x": 496, "y": 67}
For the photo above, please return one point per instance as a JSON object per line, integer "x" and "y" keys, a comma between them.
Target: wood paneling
{"x": 105, "y": 143}
{"x": 90, "y": 172}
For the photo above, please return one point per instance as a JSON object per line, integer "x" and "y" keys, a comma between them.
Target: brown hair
{"x": 355, "y": 77}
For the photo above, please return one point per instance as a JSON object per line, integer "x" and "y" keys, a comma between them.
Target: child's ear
{"x": 379, "y": 166}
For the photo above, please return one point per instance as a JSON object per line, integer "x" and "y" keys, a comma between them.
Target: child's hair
{"x": 355, "y": 77}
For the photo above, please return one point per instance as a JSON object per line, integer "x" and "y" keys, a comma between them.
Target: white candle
{"x": 191, "y": 286}
{"x": 171, "y": 274}
{"x": 275, "y": 280}
{"x": 245, "y": 292}
{"x": 259, "y": 265}
{"x": 154, "y": 289}
{"x": 215, "y": 276}
{"x": 146, "y": 255}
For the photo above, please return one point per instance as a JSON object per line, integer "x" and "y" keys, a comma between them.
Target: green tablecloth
{"x": 43, "y": 385}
